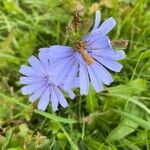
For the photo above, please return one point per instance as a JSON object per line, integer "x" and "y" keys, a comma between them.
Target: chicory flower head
{"x": 88, "y": 60}
{"x": 39, "y": 84}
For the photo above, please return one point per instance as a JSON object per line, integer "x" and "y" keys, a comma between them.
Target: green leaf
{"x": 129, "y": 144}
{"x": 23, "y": 130}
{"x": 143, "y": 123}
{"x": 133, "y": 100}
{"x": 15, "y": 148}
{"x": 54, "y": 117}
{"x": 91, "y": 100}
{"x": 136, "y": 86}
{"x": 7, "y": 57}
{"x": 74, "y": 147}
{"x": 45, "y": 114}
{"x": 126, "y": 126}
{"x": 94, "y": 144}
{"x": 9, "y": 134}
{"x": 146, "y": 54}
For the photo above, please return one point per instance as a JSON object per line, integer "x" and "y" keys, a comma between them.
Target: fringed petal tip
{"x": 21, "y": 70}
{"x": 83, "y": 93}
{"x": 31, "y": 58}
{"x": 71, "y": 95}
{"x": 23, "y": 91}
{"x": 97, "y": 20}
{"x": 106, "y": 26}
{"x": 44, "y": 50}
{"x": 122, "y": 53}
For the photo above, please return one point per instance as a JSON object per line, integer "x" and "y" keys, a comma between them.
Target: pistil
{"x": 81, "y": 48}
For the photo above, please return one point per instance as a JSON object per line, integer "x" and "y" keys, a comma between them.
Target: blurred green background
{"x": 116, "y": 119}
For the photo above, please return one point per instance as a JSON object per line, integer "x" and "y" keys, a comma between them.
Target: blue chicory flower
{"x": 39, "y": 84}
{"x": 72, "y": 63}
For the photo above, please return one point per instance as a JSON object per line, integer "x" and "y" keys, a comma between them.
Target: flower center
{"x": 80, "y": 46}
{"x": 47, "y": 80}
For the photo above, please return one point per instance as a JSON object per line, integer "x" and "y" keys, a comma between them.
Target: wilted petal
{"x": 44, "y": 100}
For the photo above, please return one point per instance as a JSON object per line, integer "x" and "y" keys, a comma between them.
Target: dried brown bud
{"x": 88, "y": 119}
{"x": 120, "y": 44}
{"x": 70, "y": 28}
{"x": 76, "y": 20}
{"x": 34, "y": 105}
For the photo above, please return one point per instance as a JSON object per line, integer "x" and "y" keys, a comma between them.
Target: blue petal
{"x": 45, "y": 62}
{"x": 110, "y": 64}
{"x": 36, "y": 94}
{"x": 29, "y": 89}
{"x": 97, "y": 42}
{"x": 102, "y": 73}
{"x": 29, "y": 71}
{"x": 30, "y": 80}
{"x": 57, "y": 52}
{"x": 54, "y": 100}
{"x": 79, "y": 58}
{"x": 54, "y": 64}
{"x": 61, "y": 98}
{"x": 119, "y": 55}
{"x": 106, "y": 26}
{"x": 71, "y": 94}
{"x": 71, "y": 77}
{"x": 84, "y": 80}
{"x": 59, "y": 73}
{"x": 97, "y": 20}
{"x": 76, "y": 83}
{"x": 109, "y": 54}
{"x": 96, "y": 82}
{"x": 36, "y": 64}
{"x": 44, "y": 100}
{"x": 83, "y": 75}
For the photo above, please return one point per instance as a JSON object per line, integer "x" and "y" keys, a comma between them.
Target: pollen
{"x": 80, "y": 46}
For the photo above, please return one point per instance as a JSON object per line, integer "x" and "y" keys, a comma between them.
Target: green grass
{"x": 116, "y": 119}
